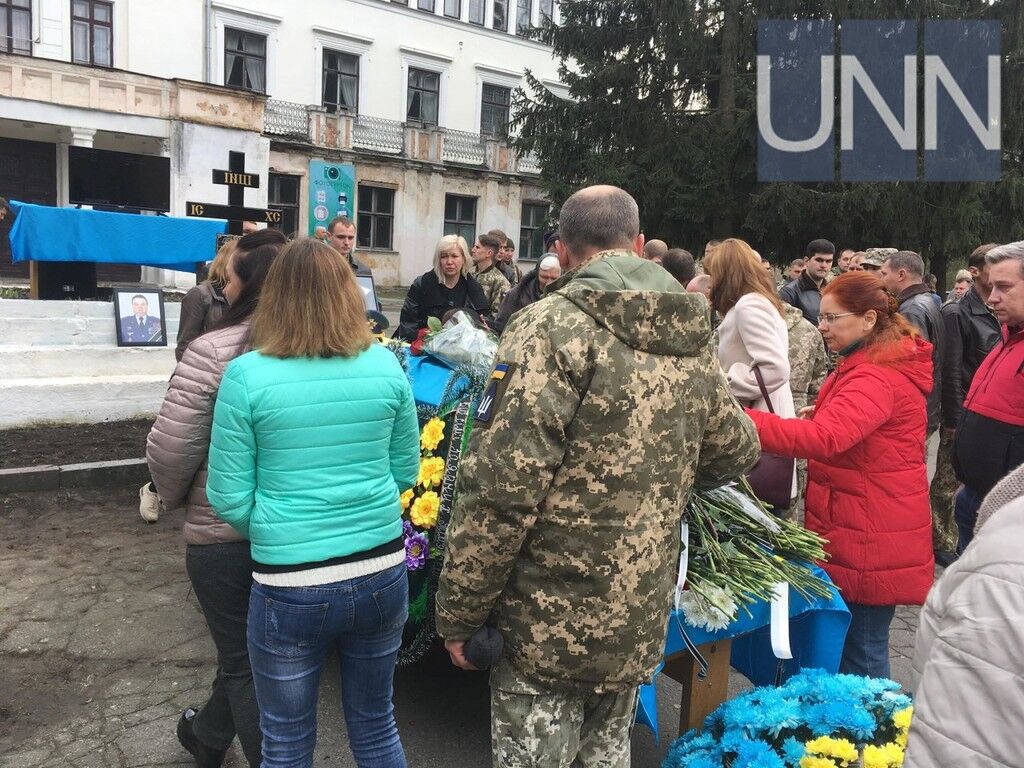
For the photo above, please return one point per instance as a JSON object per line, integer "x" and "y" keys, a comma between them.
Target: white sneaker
{"x": 149, "y": 504}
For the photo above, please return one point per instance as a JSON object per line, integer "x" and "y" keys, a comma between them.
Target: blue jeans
{"x": 965, "y": 512}
{"x": 290, "y": 630}
{"x": 866, "y": 651}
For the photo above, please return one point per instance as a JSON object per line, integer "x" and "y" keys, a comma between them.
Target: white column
{"x": 70, "y": 137}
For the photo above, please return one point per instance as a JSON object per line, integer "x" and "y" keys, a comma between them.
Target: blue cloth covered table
{"x": 429, "y": 377}
{"x": 817, "y": 631}
{"x": 43, "y": 233}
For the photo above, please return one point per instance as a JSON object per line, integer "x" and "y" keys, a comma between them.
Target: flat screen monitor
{"x": 104, "y": 178}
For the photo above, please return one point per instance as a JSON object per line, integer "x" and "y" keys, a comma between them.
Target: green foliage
{"x": 662, "y": 103}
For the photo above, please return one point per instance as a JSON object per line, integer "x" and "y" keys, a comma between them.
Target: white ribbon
{"x": 684, "y": 560}
{"x": 780, "y": 621}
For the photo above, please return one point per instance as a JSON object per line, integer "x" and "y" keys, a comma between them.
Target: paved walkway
{"x": 102, "y": 646}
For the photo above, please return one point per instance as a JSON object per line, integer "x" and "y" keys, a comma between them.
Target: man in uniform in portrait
{"x": 140, "y": 327}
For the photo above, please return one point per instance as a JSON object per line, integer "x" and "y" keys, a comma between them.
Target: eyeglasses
{"x": 830, "y": 317}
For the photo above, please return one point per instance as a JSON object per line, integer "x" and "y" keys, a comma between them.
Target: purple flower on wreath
{"x": 416, "y": 549}
{"x": 407, "y": 529}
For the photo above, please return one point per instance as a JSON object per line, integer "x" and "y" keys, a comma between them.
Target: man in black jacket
{"x": 804, "y": 293}
{"x": 903, "y": 276}
{"x": 971, "y": 331}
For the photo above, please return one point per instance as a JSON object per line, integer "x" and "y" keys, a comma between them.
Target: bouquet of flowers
{"x": 815, "y": 720}
{"x": 738, "y": 552}
{"x": 459, "y": 341}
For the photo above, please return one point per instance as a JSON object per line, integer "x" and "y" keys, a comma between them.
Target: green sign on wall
{"x": 332, "y": 192}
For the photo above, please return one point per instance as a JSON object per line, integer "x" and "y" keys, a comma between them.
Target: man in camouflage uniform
{"x": 486, "y": 272}
{"x": 606, "y": 405}
{"x": 808, "y": 366}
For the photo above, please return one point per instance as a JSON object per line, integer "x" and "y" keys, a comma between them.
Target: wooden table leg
{"x": 700, "y": 697}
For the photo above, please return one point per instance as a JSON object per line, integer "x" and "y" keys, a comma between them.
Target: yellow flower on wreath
{"x": 902, "y": 718}
{"x": 432, "y": 434}
{"x": 816, "y": 762}
{"x": 840, "y": 749}
{"x": 431, "y": 471}
{"x": 886, "y": 756}
{"x": 406, "y": 499}
{"x": 424, "y": 510}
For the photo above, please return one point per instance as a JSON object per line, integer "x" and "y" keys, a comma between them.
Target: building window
{"x": 341, "y": 82}
{"x": 500, "y": 15}
{"x": 425, "y": 5}
{"x": 523, "y": 11}
{"x": 476, "y": 12}
{"x": 16, "y": 26}
{"x": 531, "y": 230}
{"x": 245, "y": 60}
{"x": 376, "y": 217}
{"x": 494, "y": 110}
{"x": 284, "y": 194}
{"x": 453, "y": 9}
{"x": 92, "y": 33}
{"x": 424, "y": 95}
{"x": 547, "y": 10}
{"x": 460, "y": 217}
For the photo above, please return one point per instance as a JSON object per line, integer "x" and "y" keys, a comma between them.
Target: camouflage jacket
{"x": 808, "y": 360}
{"x": 495, "y": 287}
{"x": 609, "y": 405}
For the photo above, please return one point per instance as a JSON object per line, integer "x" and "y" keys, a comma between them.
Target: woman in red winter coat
{"x": 867, "y": 486}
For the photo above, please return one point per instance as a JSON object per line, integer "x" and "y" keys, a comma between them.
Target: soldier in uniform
{"x": 495, "y": 284}
{"x": 141, "y": 327}
{"x": 808, "y": 367}
{"x": 605, "y": 407}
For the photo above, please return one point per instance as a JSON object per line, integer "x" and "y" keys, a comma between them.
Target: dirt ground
{"x": 73, "y": 443}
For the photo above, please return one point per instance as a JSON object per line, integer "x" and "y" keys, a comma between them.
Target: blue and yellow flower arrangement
{"x": 815, "y": 720}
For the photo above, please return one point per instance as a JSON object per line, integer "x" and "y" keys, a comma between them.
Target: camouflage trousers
{"x": 942, "y": 490}
{"x": 562, "y": 730}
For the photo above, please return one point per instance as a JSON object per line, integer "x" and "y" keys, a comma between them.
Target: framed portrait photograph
{"x": 139, "y": 317}
{"x": 369, "y": 292}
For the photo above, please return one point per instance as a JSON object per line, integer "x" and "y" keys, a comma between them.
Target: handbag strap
{"x": 764, "y": 389}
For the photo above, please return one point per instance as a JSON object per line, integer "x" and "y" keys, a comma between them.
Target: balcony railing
{"x": 529, "y": 163}
{"x": 463, "y": 147}
{"x": 344, "y": 131}
{"x": 284, "y": 118}
{"x": 378, "y": 134}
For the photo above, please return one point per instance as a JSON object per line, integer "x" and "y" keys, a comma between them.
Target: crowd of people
{"x": 630, "y": 373}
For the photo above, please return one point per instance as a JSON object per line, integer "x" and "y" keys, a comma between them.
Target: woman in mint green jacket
{"x": 314, "y": 437}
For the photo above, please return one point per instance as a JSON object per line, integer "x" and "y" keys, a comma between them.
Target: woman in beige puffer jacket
{"x": 968, "y": 666}
{"x": 216, "y": 556}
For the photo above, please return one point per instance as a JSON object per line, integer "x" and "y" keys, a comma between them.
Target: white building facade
{"x": 404, "y": 102}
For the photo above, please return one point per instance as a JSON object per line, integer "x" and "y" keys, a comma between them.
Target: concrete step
{"x": 48, "y": 362}
{"x": 63, "y": 323}
{"x": 79, "y": 399}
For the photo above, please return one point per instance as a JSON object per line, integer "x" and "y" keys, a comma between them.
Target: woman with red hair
{"x": 867, "y": 486}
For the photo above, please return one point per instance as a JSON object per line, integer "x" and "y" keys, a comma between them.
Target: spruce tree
{"x": 662, "y": 102}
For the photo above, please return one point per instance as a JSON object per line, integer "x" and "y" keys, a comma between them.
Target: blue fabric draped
{"x": 43, "y": 233}
{"x": 817, "y": 632}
